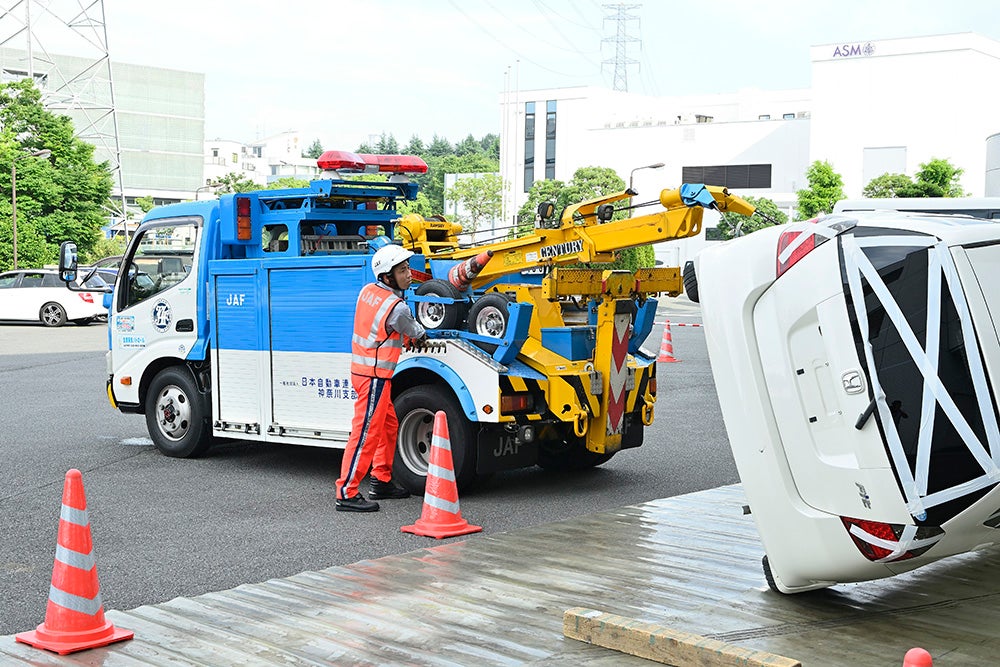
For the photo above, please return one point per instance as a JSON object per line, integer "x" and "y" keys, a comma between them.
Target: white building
{"x": 263, "y": 161}
{"x": 874, "y": 107}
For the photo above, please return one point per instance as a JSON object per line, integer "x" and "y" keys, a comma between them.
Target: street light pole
{"x": 657, "y": 165}
{"x": 207, "y": 186}
{"x": 45, "y": 152}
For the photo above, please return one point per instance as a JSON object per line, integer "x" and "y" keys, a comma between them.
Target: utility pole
{"x": 620, "y": 15}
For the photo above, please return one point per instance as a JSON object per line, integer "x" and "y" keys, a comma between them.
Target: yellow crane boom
{"x": 585, "y": 232}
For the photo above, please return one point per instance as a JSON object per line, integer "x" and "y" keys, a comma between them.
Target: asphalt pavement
{"x": 248, "y": 512}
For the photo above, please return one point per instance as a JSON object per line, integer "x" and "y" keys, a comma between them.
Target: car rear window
{"x": 906, "y": 272}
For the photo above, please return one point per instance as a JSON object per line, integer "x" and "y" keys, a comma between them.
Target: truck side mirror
{"x": 67, "y": 262}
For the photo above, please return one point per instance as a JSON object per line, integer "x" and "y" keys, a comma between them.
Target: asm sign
{"x": 851, "y": 50}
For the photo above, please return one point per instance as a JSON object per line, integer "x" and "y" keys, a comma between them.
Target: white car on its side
{"x": 857, "y": 360}
{"x": 38, "y": 295}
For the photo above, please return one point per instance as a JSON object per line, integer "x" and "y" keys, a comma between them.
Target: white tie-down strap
{"x": 907, "y": 541}
{"x": 940, "y": 263}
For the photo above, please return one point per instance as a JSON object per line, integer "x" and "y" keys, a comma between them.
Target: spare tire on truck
{"x": 437, "y": 316}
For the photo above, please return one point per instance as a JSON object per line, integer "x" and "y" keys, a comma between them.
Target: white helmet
{"x": 387, "y": 257}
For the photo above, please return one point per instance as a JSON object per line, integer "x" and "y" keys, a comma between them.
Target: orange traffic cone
{"x": 917, "y": 657}
{"x": 74, "y": 617}
{"x": 462, "y": 274}
{"x": 441, "y": 516}
{"x": 667, "y": 346}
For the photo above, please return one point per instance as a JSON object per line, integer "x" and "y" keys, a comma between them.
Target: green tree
{"x": 113, "y": 247}
{"x": 61, "y": 198}
{"x": 826, "y": 188}
{"x": 767, "y": 215}
{"x": 468, "y": 146}
{"x": 145, "y": 203}
{"x": 587, "y": 183}
{"x": 421, "y": 206}
{"x": 235, "y": 182}
{"x": 387, "y": 145}
{"x": 287, "y": 183}
{"x": 889, "y": 186}
{"x": 432, "y": 183}
{"x": 415, "y": 147}
{"x": 314, "y": 151}
{"x": 479, "y": 197}
{"x": 491, "y": 146}
{"x": 939, "y": 178}
{"x": 470, "y": 156}
{"x": 439, "y": 147}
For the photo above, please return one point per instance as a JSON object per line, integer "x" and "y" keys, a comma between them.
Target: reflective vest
{"x": 375, "y": 352}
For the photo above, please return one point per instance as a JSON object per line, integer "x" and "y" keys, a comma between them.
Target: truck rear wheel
{"x": 569, "y": 454}
{"x": 177, "y": 414}
{"x": 415, "y": 409}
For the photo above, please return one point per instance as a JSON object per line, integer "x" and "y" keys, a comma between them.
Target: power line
{"x": 507, "y": 46}
{"x": 655, "y": 85}
{"x": 540, "y": 39}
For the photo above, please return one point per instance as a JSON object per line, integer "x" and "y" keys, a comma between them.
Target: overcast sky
{"x": 344, "y": 70}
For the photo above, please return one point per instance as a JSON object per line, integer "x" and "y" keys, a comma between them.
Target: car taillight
{"x": 799, "y": 240}
{"x": 890, "y": 542}
{"x": 86, "y": 296}
{"x": 787, "y": 258}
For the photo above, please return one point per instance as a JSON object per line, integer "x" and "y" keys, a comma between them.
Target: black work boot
{"x": 356, "y": 504}
{"x": 380, "y": 490}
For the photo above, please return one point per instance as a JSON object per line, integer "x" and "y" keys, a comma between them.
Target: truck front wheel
{"x": 415, "y": 409}
{"x": 177, "y": 414}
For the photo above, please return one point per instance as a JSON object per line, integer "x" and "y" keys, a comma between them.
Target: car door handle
{"x": 184, "y": 325}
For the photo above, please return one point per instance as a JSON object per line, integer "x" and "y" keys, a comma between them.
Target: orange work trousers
{"x": 373, "y": 435}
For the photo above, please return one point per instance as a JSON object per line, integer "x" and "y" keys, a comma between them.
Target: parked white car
{"x": 856, "y": 360}
{"x": 38, "y": 295}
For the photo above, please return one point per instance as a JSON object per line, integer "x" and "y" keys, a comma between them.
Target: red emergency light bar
{"x": 340, "y": 161}
{"x": 395, "y": 164}
{"x": 371, "y": 164}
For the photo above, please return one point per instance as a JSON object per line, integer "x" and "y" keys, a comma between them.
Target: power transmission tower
{"x": 621, "y": 61}
{"x": 62, "y": 45}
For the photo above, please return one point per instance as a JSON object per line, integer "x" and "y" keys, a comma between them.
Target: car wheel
{"x": 690, "y": 281}
{"x": 439, "y": 315}
{"x": 488, "y": 316}
{"x": 567, "y": 455}
{"x": 415, "y": 409}
{"x": 177, "y": 414}
{"x": 52, "y": 315}
{"x": 768, "y": 576}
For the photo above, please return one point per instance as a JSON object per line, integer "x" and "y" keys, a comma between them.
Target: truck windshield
{"x": 161, "y": 258}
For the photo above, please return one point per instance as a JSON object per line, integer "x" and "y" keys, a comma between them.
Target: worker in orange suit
{"x": 382, "y": 323}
